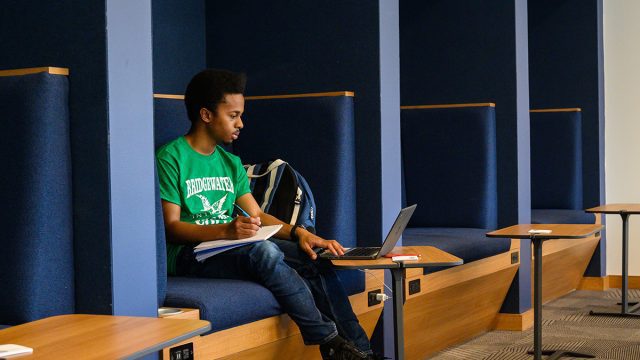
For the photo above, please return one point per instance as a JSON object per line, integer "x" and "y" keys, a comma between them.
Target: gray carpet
{"x": 566, "y": 325}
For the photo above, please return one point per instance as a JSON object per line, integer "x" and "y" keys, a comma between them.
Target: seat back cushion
{"x": 449, "y": 164}
{"x": 556, "y": 160}
{"x": 36, "y": 271}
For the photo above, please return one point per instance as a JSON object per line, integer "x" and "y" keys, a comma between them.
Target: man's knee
{"x": 265, "y": 253}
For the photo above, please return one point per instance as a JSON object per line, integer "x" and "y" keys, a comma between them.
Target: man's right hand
{"x": 243, "y": 227}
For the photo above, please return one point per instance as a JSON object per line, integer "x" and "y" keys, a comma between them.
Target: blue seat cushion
{"x": 561, "y": 216}
{"x": 223, "y": 302}
{"x": 466, "y": 243}
{"x": 4, "y": 326}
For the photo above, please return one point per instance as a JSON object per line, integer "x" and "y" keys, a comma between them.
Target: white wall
{"x": 622, "y": 125}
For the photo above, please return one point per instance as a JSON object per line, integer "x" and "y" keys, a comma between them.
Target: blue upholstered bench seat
{"x": 228, "y": 303}
{"x": 466, "y": 243}
{"x": 225, "y": 303}
{"x": 4, "y": 326}
{"x": 561, "y": 216}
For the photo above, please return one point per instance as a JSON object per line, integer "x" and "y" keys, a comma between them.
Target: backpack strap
{"x": 272, "y": 179}
{"x": 296, "y": 207}
{"x": 273, "y": 165}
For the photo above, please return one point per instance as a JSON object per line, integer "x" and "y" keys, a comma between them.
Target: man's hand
{"x": 308, "y": 241}
{"x": 243, "y": 227}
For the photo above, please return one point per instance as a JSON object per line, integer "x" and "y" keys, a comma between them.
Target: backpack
{"x": 282, "y": 192}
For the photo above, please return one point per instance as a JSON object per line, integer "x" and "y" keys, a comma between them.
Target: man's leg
{"x": 263, "y": 262}
{"x": 328, "y": 292}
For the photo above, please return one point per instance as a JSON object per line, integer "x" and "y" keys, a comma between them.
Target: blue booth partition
{"x": 449, "y": 164}
{"x": 315, "y": 134}
{"x": 556, "y": 168}
{"x": 36, "y": 265}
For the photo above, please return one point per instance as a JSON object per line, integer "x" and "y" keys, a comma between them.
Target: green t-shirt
{"x": 204, "y": 186}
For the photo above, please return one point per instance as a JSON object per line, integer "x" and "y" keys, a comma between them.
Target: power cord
{"x": 381, "y": 296}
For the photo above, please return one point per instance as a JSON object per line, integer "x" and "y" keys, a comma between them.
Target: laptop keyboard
{"x": 363, "y": 251}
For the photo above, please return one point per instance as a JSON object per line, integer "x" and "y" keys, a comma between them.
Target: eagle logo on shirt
{"x": 216, "y": 209}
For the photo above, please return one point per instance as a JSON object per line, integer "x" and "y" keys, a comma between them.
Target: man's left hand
{"x": 308, "y": 241}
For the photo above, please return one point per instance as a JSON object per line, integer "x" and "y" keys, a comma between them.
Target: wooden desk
{"x": 429, "y": 256}
{"x": 100, "y": 336}
{"x": 624, "y": 210}
{"x": 558, "y": 231}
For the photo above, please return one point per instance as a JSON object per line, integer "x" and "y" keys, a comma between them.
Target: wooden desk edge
{"x": 158, "y": 347}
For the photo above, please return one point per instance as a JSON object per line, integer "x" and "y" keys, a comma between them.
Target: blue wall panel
{"x": 290, "y": 47}
{"x": 178, "y": 43}
{"x": 464, "y": 51}
{"x": 470, "y": 51}
{"x": 566, "y": 70}
{"x": 72, "y": 34}
{"x": 131, "y": 158}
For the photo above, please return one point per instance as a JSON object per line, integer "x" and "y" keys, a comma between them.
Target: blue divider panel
{"x": 556, "y": 160}
{"x": 449, "y": 167}
{"x": 449, "y": 161}
{"x": 36, "y": 269}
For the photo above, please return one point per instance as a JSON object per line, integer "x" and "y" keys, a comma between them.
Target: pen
{"x": 241, "y": 210}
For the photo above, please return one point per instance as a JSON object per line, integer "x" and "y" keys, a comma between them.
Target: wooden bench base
{"x": 456, "y": 304}
{"x": 563, "y": 265}
{"x": 272, "y": 337}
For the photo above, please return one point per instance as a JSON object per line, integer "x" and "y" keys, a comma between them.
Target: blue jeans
{"x": 328, "y": 292}
{"x": 308, "y": 291}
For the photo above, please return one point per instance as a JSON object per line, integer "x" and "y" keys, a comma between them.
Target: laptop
{"x": 370, "y": 253}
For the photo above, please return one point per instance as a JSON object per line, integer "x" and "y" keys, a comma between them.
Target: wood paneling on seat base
{"x": 456, "y": 304}
{"x": 594, "y": 283}
{"x": 615, "y": 281}
{"x": 514, "y": 322}
{"x": 271, "y": 337}
{"x": 563, "y": 265}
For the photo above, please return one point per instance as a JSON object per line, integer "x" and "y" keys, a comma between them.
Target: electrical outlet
{"x": 414, "y": 286}
{"x": 182, "y": 352}
{"x": 372, "y": 297}
{"x": 514, "y": 258}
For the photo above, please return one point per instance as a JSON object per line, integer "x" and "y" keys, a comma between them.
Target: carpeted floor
{"x": 566, "y": 325}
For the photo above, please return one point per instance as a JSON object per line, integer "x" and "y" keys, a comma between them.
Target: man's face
{"x": 225, "y": 123}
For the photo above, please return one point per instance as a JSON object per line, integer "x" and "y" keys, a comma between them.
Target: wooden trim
{"x": 185, "y": 314}
{"x": 295, "y": 96}
{"x": 514, "y": 322}
{"x": 446, "y": 106}
{"x": 168, "y": 96}
{"x": 266, "y": 97}
{"x": 615, "y": 282}
{"x": 555, "y": 110}
{"x": 594, "y": 283}
{"x": 48, "y": 69}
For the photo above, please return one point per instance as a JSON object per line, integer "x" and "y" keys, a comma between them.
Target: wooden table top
{"x": 558, "y": 231}
{"x": 616, "y": 209}
{"x": 428, "y": 256}
{"x": 100, "y": 336}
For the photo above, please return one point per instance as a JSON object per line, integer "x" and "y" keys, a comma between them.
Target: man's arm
{"x": 307, "y": 241}
{"x": 184, "y": 233}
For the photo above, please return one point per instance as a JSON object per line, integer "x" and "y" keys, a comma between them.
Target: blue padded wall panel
{"x": 170, "y": 120}
{"x": 36, "y": 266}
{"x": 449, "y": 162}
{"x": 317, "y": 137}
{"x": 556, "y": 160}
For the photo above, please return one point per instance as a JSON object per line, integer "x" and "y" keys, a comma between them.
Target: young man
{"x": 307, "y": 290}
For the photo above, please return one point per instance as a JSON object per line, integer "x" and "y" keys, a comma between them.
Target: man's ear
{"x": 206, "y": 115}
